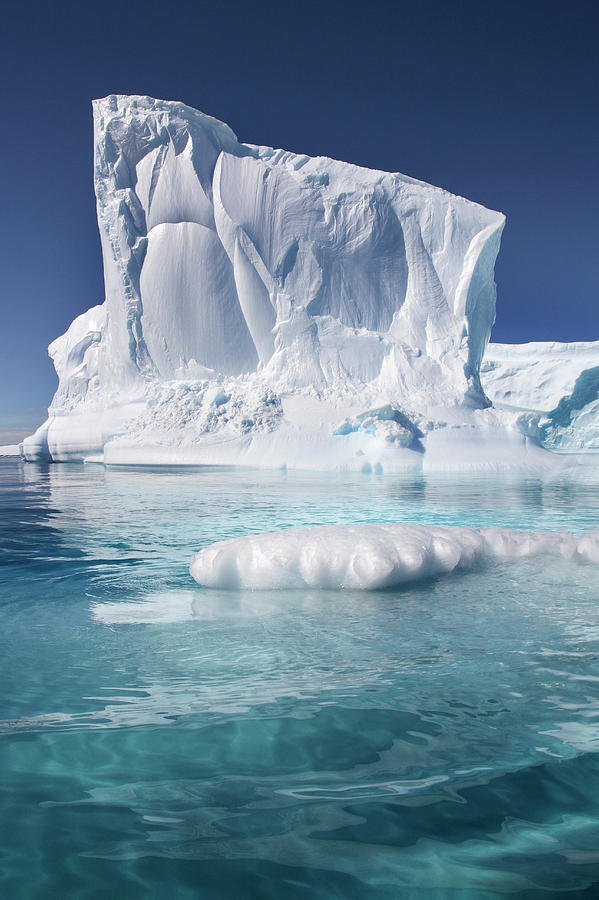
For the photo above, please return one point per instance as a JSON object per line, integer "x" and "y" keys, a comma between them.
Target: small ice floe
{"x": 372, "y": 557}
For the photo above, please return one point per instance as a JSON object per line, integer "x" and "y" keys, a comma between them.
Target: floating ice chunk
{"x": 371, "y": 557}
{"x": 363, "y": 557}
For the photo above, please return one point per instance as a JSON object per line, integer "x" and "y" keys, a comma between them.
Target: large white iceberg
{"x": 269, "y": 308}
{"x": 373, "y": 557}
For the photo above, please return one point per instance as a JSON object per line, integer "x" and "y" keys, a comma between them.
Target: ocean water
{"x": 160, "y": 740}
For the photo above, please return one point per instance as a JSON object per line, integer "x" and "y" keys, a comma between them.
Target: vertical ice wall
{"x": 209, "y": 244}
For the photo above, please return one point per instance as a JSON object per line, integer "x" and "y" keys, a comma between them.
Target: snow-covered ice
{"x": 536, "y": 375}
{"x": 268, "y": 308}
{"x": 307, "y": 291}
{"x": 554, "y": 386}
{"x": 371, "y": 557}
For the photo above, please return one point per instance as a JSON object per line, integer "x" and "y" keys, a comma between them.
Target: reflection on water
{"x": 157, "y": 739}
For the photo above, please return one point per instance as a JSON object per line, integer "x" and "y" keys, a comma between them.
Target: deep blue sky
{"x": 497, "y": 101}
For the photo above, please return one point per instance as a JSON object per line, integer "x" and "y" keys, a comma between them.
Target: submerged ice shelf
{"x": 267, "y": 308}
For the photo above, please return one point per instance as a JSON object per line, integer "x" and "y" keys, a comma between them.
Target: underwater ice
{"x": 371, "y": 557}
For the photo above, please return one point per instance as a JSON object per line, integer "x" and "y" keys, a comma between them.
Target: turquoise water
{"x": 159, "y": 740}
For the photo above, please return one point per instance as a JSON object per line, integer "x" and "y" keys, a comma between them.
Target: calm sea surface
{"x": 158, "y": 740}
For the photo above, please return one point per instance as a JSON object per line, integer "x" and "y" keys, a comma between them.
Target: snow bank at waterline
{"x": 372, "y": 557}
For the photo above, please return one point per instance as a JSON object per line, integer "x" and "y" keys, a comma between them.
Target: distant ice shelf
{"x": 268, "y": 308}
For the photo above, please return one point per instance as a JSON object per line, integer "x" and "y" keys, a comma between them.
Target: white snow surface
{"x": 267, "y": 308}
{"x": 372, "y": 557}
{"x": 536, "y": 375}
{"x": 553, "y": 386}
{"x": 308, "y": 291}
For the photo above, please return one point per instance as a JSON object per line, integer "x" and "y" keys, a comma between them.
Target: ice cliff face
{"x": 271, "y": 270}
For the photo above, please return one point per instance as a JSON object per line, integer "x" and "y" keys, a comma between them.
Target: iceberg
{"x": 373, "y": 557}
{"x": 9, "y": 450}
{"x": 262, "y": 307}
{"x": 552, "y": 387}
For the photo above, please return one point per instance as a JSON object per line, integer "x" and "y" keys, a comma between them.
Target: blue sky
{"x": 497, "y": 101}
